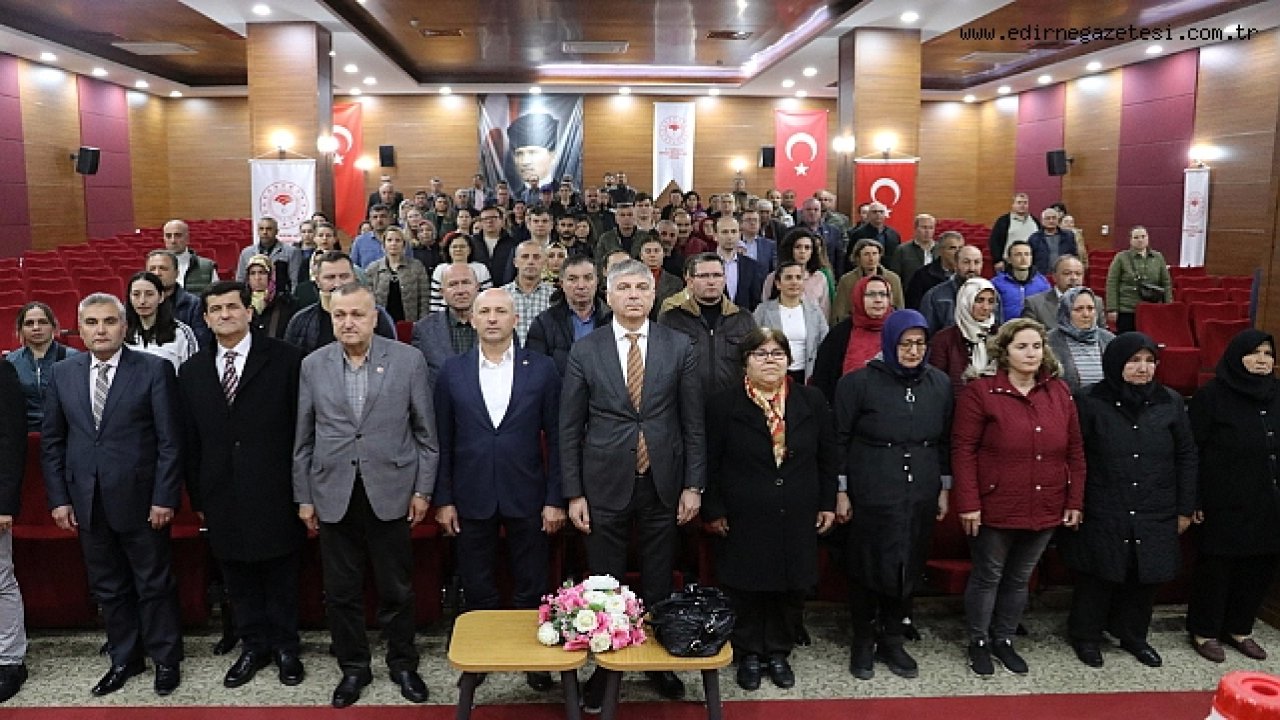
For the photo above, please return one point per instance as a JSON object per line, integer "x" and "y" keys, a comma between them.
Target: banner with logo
{"x": 348, "y": 182}
{"x": 800, "y": 154}
{"x": 893, "y": 183}
{"x": 1195, "y": 216}
{"x": 284, "y": 190}
{"x": 673, "y": 127}
{"x": 530, "y": 141}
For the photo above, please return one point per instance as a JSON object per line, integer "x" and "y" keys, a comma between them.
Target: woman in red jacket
{"x": 1019, "y": 471}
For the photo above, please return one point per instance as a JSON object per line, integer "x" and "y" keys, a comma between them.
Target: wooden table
{"x": 650, "y": 656}
{"x": 486, "y": 641}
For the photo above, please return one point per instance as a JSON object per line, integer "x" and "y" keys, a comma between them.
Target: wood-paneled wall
{"x": 997, "y": 130}
{"x": 1092, "y": 138}
{"x": 947, "y": 183}
{"x": 51, "y": 133}
{"x": 433, "y": 135}
{"x": 209, "y": 148}
{"x": 149, "y": 150}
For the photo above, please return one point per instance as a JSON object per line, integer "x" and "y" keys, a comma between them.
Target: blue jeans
{"x": 996, "y": 595}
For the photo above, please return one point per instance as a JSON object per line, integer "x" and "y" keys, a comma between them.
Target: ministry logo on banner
{"x": 284, "y": 190}
{"x": 801, "y": 157}
{"x": 673, "y": 128}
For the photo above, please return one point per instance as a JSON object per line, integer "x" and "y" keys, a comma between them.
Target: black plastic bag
{"x": 694, "y": 622}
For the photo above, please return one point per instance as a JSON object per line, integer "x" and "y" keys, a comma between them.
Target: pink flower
{"x": 621, "y": 639}
{"x": 637, "y": 636}
{"x": 578, "y": 642}
{"x": 544, "y": 614}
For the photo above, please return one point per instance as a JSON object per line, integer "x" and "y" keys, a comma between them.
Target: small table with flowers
{"x": 651, "y": 656}
{"x": 486, "y": 641}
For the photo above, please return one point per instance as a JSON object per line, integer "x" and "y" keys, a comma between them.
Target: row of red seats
{"x": 1192, "y": 338}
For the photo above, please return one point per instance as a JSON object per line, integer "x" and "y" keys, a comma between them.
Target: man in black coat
{"x": 557, "y": 328}
{"x": 13, "y": 453}
{"x": 240, "y": 398}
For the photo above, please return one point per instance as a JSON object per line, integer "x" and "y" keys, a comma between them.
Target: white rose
{"x": 595, "y": 598}
{"x": 615, "y": 604}
{"x": 585, "y": 621}
{"x": 619, "y": 621}
{"x": 600, "y": 582}
{"x": 601, "y": 643}
{"x": 548, "y": 635}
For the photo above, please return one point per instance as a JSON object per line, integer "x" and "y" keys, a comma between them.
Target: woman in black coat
{"x": 771, "y": 490}
{"x": 893, "y": 425}
{"x": 1236, "y": 421}
{"x": 1139, "y": 497}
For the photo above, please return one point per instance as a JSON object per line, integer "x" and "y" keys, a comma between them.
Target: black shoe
{"x": 802, "y": 636}
{"x": 780, "y": 672}
{"x": 117, "y": 676}
{"x": 1008, "y": 657}
{"x": 411, "y": 686}
{"x": 225, "y": 644}
{"x": 896, "y": 658}
{"x": 980, "y": 658}
{"x": 11, "y": 679}
{"x": 862, "y": 659}
{"x": 540, "y": 681}
{"x": 244, "y": 668}
{"x": 749, "y": 672}
{"x": 291, "y": 670}
{"x": 168, "y": 678}
{"x": 666, "y": 683}
{"x": 593, "y": 692}
{"x": 1088, "y": 653}
{"x": 1145, "y": 654}
{"x": 348, "y": 690}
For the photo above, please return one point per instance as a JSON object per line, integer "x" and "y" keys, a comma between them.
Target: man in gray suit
{"x": 632, "y": 446}
{"x": 364, "y": 464}
{"x": 1068, "y": 272}
{"x": 443, "y": 334}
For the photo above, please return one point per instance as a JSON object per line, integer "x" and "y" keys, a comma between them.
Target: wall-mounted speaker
{"x": 87, "y": 160}
{"x": 766, "y": 156}
{"x": 387, "y": 155}
{"x": 1057, "y": 162}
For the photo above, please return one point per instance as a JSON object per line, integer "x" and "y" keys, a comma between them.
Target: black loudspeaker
{"x": 387, "y": 155}
{"x": 1057, "y": 162}
{"x": 87, "y": 160}
{"x": 766, "y": 156}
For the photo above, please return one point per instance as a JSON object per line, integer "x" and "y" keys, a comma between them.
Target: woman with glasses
{"x": 853, "y": 342}
{"x": 893, "y": 428}
{"x": 37, "y": 328}
{"x": 800, "y": 320}
{"x": 771, "y": 490}
{"x": 961, "y": 350}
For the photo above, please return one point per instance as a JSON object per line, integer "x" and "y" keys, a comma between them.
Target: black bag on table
{"x": 694, "y": 622}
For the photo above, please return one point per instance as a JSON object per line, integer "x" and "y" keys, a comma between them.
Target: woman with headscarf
{"x": 1236, "y": 421}
{"x": 271, "y": 309}
{"x": 961, "y": 350}
{"x": 893, "y": 427}
{"x": 1077, "y": 341}
{"x": 854, "y": 341}
{"x": 1138, "y": 499}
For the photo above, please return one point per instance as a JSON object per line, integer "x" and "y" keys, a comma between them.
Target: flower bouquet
{"x": 598, "y": 614}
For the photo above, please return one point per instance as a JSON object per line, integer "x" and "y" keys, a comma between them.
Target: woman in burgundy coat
{"x": 1019, "y": 472}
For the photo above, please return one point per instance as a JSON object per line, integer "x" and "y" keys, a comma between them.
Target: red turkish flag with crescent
{"x": 892, "y": 182}
{"x": 348, "y": 182}
{"x": 800, "y": 151}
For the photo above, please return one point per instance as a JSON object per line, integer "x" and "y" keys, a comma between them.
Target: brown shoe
{"x": 1210, "y": 650}
{"x": 1248, "y": 647}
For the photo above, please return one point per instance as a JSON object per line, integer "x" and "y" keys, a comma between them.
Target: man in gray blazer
{"x": 448, "y": 332}
{"x": 1068, "y": 272}
{"x": 364, "y": 465}
{"x": 631, "y": 463}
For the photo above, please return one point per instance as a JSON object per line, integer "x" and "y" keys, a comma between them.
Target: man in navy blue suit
{"x": 110, "y": 451}
{"x": 494, "y": 405}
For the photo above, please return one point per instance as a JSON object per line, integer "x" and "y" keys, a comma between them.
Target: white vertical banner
{"x": 673, "y": 145}
{"x": 1195, "y": 215}
{"x": 284, "y": 190}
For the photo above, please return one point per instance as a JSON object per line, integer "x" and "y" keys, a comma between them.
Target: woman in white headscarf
{"x": 961, "y": 350}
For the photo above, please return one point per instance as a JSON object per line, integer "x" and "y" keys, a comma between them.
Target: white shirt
{"x": 623, "y": 344}
{"x": 797, "y": 336}
{"x": 242, "y": 353}
{"x": 94, "y": 363}
{"x": 495, "y": 382}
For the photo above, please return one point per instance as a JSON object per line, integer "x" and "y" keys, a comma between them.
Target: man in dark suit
{"x": 557, "y": 328}
{"x": 312, "y": 327}
{"x": 632, "y": 445}
{"x": 743, "y": 277}
{"x": 494, "y": 404}
{"x": 443, "y": 334}
{"x": 364, "y": 466}
{"x": 239, "y": 397}
{"x": 13, "y": 455}
{"x": 110, "y": 451}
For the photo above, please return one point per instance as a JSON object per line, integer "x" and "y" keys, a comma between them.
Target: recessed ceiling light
{"x": 1044, "y": 79}
{"x": 446, "y": 90}
{"x": 1094, "y": 66}
{"x": 1154, "y": 50}
{"x": 624, "y": 90}
{"x": 99, "y": 72}
{"x": 535, "y": 90}
{"x": 350, "y": 68}
{"x": 142, "y": 84}
{"x": 801, "y": 93}
{"x": 371, "y": 80}
{"x": 970, "y": 98}
{"x": 713, "y": 92}
{"x": 810, "y": 71}
{"x": 261, "y": 10}
{"x": 1004, "y": 90}
{"x": 356, "y": 91}
{"x": 48, "y": 57}
{"x": 909, "y": 16}
{"x": 788, "y": 83}
{"x": 175, "y": 93}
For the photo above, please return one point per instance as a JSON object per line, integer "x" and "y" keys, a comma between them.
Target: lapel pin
{"x": 524, "y": 362}
{"x": 379, "y": 368}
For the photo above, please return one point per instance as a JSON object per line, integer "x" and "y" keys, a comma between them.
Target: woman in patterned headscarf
{"x": 961, "y": 350}
{"x": 271, "y": 308}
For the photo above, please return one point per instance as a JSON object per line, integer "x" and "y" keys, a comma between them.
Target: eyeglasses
{"x": 875, "y": 294}
{"x": 763, "y": 355}
{"x": 708, "y": 276}
{"x": 913, "y": 345}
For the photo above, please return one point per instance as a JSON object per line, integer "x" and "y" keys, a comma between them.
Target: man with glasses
{"x": 716, "y": 325}
{"x": 494, "y": 247}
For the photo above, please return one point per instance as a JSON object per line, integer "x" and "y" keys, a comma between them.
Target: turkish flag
{"x": 348, "y": 181}
{"x": 800, "y": 154}
{"x": 892, "y": 182}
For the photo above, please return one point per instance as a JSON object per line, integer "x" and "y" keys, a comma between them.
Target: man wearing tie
{"x": 240, "y": 401}
{"x": 364, "y": 465}
{"x": 629, "y": 387}
{"x": 110, "y": 451}
{"x": 493, "y": 405}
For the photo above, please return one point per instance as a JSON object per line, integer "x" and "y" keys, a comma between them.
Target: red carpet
{"x": 1115, "y": 706}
